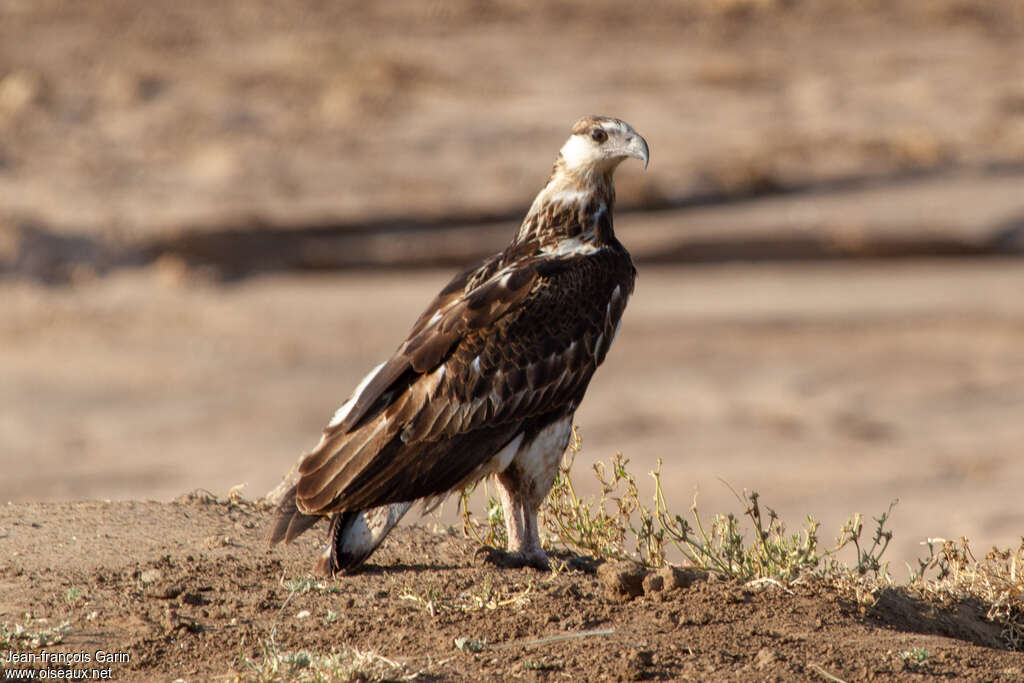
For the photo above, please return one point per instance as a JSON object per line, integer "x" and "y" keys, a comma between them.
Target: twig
{"x": 824, "y": 674}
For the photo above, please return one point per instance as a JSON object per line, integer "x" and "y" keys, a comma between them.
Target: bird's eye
{"x": 598, "y": 135}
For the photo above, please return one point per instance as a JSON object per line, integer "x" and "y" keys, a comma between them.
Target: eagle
{"x": 488, "y": 379}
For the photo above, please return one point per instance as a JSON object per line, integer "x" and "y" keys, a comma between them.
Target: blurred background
{"x": 216, "y": 217}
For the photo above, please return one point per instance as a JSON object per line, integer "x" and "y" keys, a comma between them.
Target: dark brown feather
{"x": 518, "y": 345}
{"x": 496, "y": 365}
{"x": 516, "y": 338}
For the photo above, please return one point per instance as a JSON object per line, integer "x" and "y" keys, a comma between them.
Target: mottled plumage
{"x": 490, "y": 375}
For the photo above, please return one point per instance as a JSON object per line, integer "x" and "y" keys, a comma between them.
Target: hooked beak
{"x": 636, "y": 147}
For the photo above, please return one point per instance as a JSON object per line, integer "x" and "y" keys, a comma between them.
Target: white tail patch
{"x": 346, "y": 408}
{"x": 368, "y": 529}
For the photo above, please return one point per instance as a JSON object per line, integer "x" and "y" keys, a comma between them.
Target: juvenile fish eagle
{"x": 490, "y": 376}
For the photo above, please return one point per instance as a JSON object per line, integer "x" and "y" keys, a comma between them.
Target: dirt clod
{"x": 653, "y": 583}
{"x": 675, "y": 578}
{"x": 622, "y": 581}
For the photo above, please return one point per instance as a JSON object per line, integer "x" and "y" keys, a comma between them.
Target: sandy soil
{"x": 828, "y": 308}
{"x": 187, "y": 590}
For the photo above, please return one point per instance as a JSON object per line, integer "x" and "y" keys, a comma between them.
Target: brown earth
{"x": 188, "y": 590}
{"x": 847, "y": 175}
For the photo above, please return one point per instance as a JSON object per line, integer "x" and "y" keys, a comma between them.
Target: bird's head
{"x": 580, "y": 192}
{"x": 598, "y": 144}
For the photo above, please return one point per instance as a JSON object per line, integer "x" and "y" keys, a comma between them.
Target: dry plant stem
{"x": 605, "y": 527}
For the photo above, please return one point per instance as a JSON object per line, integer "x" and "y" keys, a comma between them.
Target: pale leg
{"x": 522, "y": 487}
{"x": 521, "y": 519}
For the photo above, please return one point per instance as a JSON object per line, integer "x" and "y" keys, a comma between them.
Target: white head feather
{"x": 589, "y": 150}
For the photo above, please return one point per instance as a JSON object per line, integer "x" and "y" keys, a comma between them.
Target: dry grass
{"x": 483, "y": 597}
{"x": 618, "y": 525}
{"x": 346, "y": 664}
{"x": 26, "y": 637}
{"x": 996, "y": 580}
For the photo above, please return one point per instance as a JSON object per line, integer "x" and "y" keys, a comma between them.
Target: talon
{"x": 507, "y": 560}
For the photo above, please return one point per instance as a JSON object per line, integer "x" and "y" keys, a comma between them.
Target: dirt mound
{"x": 188, "y": 589}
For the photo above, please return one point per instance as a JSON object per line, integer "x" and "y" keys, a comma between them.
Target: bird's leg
{"x": 522, "y": 487}
{"x": 520, "y": 502}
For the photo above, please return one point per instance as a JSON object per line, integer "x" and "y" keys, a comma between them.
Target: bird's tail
{"x": 289, "y": 523}
{"x": 355, "y": 535}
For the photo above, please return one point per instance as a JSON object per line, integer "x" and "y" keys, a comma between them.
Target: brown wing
{"x": 432, "y": 334}
{"x": 522, "y": 340}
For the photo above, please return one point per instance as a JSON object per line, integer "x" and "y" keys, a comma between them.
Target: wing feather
{"x": 440, "y": 327}
{"x": 507, "y": 343}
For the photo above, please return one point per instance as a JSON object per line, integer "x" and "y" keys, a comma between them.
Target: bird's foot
{"x": 517, "y": 560}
